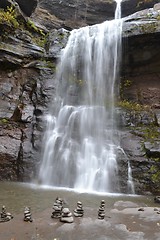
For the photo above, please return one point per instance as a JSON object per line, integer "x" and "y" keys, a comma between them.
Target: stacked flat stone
{"x": 101, "y": 210}
{"x": 66, "y": 216}
{"x": 78, "y": 212}
{"x": 4, "y": 215}
{"x": 57, "y": 208}
{"x": 27, "y": 215}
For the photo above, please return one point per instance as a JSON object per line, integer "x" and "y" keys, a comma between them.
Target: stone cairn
{"x": 157, "y": 199}
{"x": 5, "y": 216}
{"x": 27, "y": 215}
{"x": 57, "y": 208}
{"x": 66, "y": 216}
{"x": 101, "y": 210}
{"x": 78, "y": 212}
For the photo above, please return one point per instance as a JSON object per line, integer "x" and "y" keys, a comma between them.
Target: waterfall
{"x": 130, "y": 180}
{"x": 80, "y": 143}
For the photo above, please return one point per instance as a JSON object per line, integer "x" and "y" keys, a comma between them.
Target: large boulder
{"x": 27, "y": 7}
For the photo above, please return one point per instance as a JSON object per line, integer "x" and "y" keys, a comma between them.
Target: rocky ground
{"x": 28, "y": 58}
{"x": 126, "y": 220}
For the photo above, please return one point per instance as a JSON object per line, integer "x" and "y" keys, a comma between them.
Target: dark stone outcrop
{"x": 132, "y": 6}
{"x": 21, "y": 141}
{"x": 24, "y": 78}
{"x": 73, "y": 13}
{"x": 17, "y": 56}
{"x": 140, "y": 57}
{"x": 152, "y": 149}
{"x": 157, "y": 199}
{"x": 27, "y": 7}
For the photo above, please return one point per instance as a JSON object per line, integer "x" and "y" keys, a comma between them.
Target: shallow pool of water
{"x": 15, "y": 196}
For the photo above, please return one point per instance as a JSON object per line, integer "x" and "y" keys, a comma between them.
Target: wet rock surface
{"x": 123, "y": 221}
{"x": 27, "y": 74}
{"x": 21, "y": 141}
{"x": 123, "y": 218}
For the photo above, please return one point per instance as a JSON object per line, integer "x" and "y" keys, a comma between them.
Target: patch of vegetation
{"x": 148, "y": 28}
{"x": 155, "y": 171}
{"x": 43, "y": 64}
{"x": 132, "y": 106}
{"x": 40, "y": 40}
{"x": 151, "y": 133}
{"x": 4, "y": 121}
{"x": 9, "y": 17}
{"x": 10, "y": 21}
{"x": 31, "y": 25}
{"x": 51, "y": 65}
{"x": 127, "y": 83}
{"x": 124, "y": 85}
{"x": 158, "y": 17}
{"x": 142, "y": 120}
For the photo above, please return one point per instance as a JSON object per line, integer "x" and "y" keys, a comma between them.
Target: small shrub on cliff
{"x": 148, "y": 28}
{"x": 3, "y": 120}
{"x": 151, "y": 134}
{"x": 31, "y": 25}
{"x": 8, "y": 17}
{"x": 38, "y": 35}
{"x": 155, "y": 170}
{"x": 124, "y": 85}
{"x": 132, "y": 106}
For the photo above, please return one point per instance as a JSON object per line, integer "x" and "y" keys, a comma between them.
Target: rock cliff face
{"x": 141, "y": 85}
{"x": 77, "y": 13}
{"x": 140, "y": 57}
{"x": 28, "y": 58}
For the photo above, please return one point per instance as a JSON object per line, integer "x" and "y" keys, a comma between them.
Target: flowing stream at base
{"x": 81, "y": 139}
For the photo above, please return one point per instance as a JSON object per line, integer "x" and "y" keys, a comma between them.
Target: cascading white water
{"x": 81, "y": 137}
{"x": 130, "y": 180}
